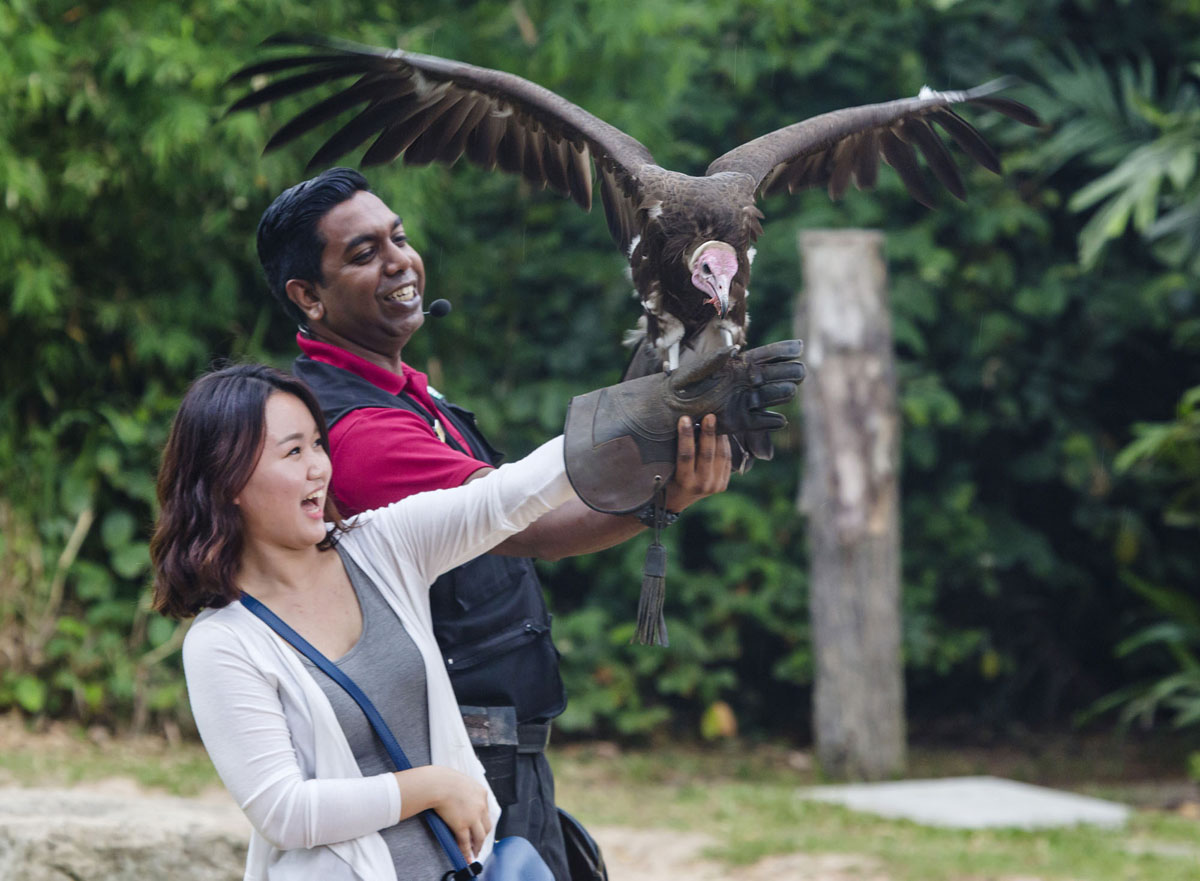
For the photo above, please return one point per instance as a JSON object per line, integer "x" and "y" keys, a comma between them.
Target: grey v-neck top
{"x": 386, "y": 664}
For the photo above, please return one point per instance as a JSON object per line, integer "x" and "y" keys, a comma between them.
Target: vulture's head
{"x": 713, "y": 266}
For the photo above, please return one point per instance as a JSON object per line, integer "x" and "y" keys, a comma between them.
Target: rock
{"x": 58, "y": 834}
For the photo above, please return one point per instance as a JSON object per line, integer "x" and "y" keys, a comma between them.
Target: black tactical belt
{"x": 497, "y": 726}
{"x": 533, "y": 737}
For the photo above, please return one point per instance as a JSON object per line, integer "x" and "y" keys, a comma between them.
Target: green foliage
{"x": 128, "y": 267}
{"x": 1169, "y": 452}
{"x": 1144, "y": 138}
{"x": 735, "y": 611}
{"x": 1177, "y": 635}
{"x": 1151, "y": 188}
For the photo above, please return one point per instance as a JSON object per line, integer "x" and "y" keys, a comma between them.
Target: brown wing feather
{"x": 841, "y": 162}
{"x": 848, "y": 143}
{"x": 457, "y": 131}
{"x": 435, "y": 140}
{"x": 318, "y": 75}
{"x": 917, "y": 131}
{"x": 579, "y": 173}
{"x": 511, "y": 155}
{"x": 808, "y": 171}
{"x": 483, "y": 141}
{"x": 397, "y": 137}
{"x": 274, "y": 65}
{"x": 554, "y": 162}
{"x": 493, "y": 118}
{"x": 903, "y": 158}
{"x": 966, "y": 137}
{"x": 1012, "y": 109}
{"x": 372, "y": 118}
{"x": 620, "y": 206}
{"x": 777, "y": 179}
{"x": 866, "y": 159}
{"x": 323, "y": 111}
{"x": 535, "y": 148}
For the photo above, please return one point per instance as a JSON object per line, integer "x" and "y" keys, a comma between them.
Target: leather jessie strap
{"x": 462, "y": 871}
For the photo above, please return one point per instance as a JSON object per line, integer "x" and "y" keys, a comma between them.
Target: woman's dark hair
{"x": 210, "y": 454}
{"x": 289, "y": 245}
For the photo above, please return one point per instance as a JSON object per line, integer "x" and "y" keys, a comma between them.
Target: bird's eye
{"x": 707, "y": 270}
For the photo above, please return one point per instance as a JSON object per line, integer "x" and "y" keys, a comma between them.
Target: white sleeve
{"x": 242, "y": 723}
{"x": 442, "y": 529}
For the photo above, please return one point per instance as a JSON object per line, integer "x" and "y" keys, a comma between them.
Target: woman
{"x": 244, "y": 503}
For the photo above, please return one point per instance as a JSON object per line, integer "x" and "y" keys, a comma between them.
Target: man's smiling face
{"x": 373, "y": 280}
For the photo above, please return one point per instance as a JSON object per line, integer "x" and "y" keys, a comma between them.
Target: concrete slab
{"x": 972, "y": 803}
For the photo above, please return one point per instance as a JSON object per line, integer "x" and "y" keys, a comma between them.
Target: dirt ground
{"x": 652, "y": 855}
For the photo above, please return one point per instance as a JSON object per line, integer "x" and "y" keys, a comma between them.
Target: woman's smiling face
{"x": 283, "y": 502}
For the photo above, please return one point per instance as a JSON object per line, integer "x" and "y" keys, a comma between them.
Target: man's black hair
{"x": 289, "y": 245}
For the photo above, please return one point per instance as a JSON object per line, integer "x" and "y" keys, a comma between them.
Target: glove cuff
{"x": 612, "y": 469}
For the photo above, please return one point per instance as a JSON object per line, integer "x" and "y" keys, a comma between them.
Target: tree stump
{"x": 850, "y": 496}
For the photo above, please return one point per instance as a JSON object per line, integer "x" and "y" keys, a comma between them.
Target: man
{"x": 338, "y": 261}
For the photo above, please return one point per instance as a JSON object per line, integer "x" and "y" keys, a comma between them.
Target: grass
{"x": 745, "y": 798}
{"x": 66, "y": 756}
{"x": 747, "y": 801}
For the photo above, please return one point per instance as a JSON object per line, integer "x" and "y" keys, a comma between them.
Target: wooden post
{"x": 850, "y": 496}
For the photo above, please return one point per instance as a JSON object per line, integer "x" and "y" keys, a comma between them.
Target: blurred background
{"x": 1047, "y": 332}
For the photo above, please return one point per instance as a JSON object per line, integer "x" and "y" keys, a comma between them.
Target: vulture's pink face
{"x": 713, "y": 266}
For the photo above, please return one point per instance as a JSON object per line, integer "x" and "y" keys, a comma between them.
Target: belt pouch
{"x": 500, "y": 763}
{"x": 493, "y": 733}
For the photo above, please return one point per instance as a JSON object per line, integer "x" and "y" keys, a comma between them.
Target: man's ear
{"x": 304, "y": 295}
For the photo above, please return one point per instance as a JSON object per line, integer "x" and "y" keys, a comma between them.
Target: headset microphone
{"x": 438, "y": 308}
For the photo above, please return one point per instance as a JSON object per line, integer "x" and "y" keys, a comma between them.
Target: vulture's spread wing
{"x": 828, "y": 150}
{"x": 429, "y": 108}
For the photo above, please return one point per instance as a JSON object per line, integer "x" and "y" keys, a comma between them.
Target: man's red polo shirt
{"x": 382, "y": 454}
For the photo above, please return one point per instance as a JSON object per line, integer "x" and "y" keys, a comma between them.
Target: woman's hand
{"x": 458, "y": 799}
{"x": 464, "y": 807}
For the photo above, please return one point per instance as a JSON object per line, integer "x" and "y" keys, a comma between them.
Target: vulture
{"x": 689, "y": 239}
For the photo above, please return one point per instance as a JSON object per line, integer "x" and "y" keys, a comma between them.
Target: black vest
{"x": 489, "y": 616}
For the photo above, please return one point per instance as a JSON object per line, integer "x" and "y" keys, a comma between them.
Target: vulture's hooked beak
{"x": 720, "y": 294}
{"x": 713, "y": 266}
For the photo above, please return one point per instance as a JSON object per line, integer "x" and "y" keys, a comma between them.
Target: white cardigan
{"x": 270, "y": 730}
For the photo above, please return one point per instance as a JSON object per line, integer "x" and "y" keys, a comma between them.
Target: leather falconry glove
{"x": 621, "y": 440}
